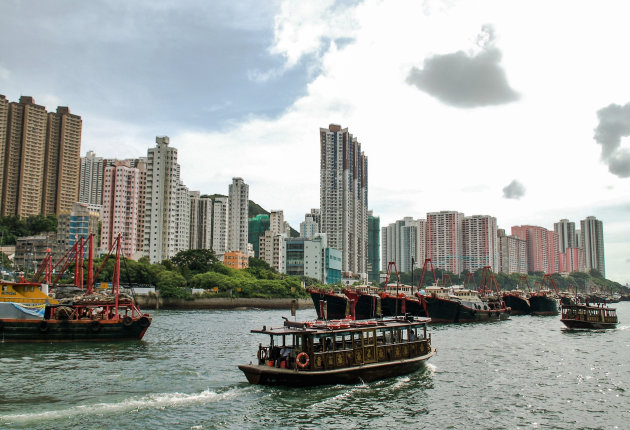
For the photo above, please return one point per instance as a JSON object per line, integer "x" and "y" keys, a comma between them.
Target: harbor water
{"x": 527, "y": 372}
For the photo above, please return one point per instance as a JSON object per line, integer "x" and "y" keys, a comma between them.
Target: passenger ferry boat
{"x": 340, "y": 352}
{"x": 585, "y": 316}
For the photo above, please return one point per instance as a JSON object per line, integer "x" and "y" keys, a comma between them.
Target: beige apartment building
{"x": 39, "y": 158}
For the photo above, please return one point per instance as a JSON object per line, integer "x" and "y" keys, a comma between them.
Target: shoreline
{"x": 153, "y": 302}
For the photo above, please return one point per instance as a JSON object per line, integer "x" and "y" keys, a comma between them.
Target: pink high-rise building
{"x": 123, "y": 206}
{"x": 542, "y": 245}
{"x": 444, "y": 240}
{"x": 572, "y": 260}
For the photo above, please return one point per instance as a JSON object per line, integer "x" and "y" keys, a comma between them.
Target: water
{"x": 527, "y": 372}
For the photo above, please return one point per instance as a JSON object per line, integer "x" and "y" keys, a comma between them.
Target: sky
{"x": 519, "y": 110}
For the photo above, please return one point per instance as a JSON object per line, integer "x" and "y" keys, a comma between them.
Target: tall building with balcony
{"x": 512, "y": 253}
{"x": 123, "y": 206}
{"x": 167, "y": 208}
{"x": 310, "y": 226}
{"x": 200, "y": 221}
{"x": 566, "y": 234}
{"x": 80, "y": 222}
{"x": 220, "y": 210}
{"x": 592, "y": 238}
{"x": 238, "y": 215}
{"x": 91, "y": 179}
{"x": 62, "y": 161}
{"x": 403, "y": 241}
{"x": 445, "y": 240}
{"x": 480, "y": 243}
{"x": 374, "y": 247}
{"x": 542, "y": 245}
{"x": 344, "y": 196}
{"x": 39, "y": 158}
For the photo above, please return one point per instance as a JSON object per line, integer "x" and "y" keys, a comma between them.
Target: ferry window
{"x": 358, "y": 340}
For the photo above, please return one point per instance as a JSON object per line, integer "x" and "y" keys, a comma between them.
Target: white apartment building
{"x": 480, "y": 243}
{"x": 276, "y": 222}
{"x": 343, "y": 197}
{"x": 592, "y": 240}
{"x": 238, "y": 226}
{"x": 401, "y": 241}
{"x": 91, "y": 179}
{"x": 512, "y": 253}
{"x": 566, "y": 235}
{"x": 167, "y": 209}
{"x": 220, "y": 208}
{"x": 445, "y": 240}
{"x": 310, "y": 226}
{"x": 270, "y": 249}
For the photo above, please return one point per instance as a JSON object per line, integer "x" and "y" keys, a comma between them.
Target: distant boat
{"x": 399, "y": 299}
{"x": 330, "y": 304}
{"x": 589, "y": 317}
{"x": 544, "y": 302}
{"x": 517, "y": 299}
{"x": 365, "y": 303}
{"x": 340, "y": 352}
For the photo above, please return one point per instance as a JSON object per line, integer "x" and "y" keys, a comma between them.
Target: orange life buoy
{"x": 300, "y": 362}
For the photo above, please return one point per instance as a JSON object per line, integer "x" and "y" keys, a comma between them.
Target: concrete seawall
{"x": 151, "y": 302}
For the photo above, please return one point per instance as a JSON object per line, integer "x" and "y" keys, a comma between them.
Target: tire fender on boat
{"x": 43, "y": 326}
{"x": 144, "y": 322}
{"x": 127, "y": 321}
{"x": 95, "y": 326}
{"x": 302, "y": 359}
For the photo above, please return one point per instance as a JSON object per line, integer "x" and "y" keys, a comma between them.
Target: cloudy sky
{"x": 519, "y": 110}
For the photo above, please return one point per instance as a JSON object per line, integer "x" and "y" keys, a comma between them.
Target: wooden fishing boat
{"x": 87, "y": 317}
{"x": 544, "y": 302}
{"x": 589, "y": 317}
{"x": 365, "y": 303}
{"x": 330, "y": 304}
{"x": 340, "y": 352}
{"x": 398, "y": 299}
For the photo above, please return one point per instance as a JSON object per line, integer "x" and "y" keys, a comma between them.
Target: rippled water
{"x": 525, "y": 372}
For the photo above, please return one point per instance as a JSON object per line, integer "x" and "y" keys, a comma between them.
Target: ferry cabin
{"x": 589, "y": 314}
{"x": 323, "y": 345}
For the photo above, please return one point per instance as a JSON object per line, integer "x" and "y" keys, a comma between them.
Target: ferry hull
{"x": 28, "y": 330}
{"x": 265, "y": 375}
{"x": 573, "y": 324}
{"x": 543, "y": 305}
{"x": 518, "y": 305}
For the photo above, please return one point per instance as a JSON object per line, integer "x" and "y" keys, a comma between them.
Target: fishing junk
{"x": 88, "y": 317}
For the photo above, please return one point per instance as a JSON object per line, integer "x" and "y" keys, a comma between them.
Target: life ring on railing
{"x": 302, "y": 360}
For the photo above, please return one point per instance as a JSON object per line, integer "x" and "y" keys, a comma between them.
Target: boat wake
{"x": 152, "y": 401}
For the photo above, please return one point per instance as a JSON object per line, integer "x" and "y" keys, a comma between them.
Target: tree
{"x": 194, "y": 261}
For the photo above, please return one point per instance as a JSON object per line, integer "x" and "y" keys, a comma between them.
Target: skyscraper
{"x": 62, "y": 161}
{"x": 220, "y": 209}
{"x": 167, "y": 208}
{"x": 512, "y": 253}
{"x": 542, "y": 255}
{"x": 445, "y": 240}
{"x": 566, "y": 234}
{"x": 374, "y": 246}
{"x": 123, "y": 207}
{"x": 592, "y": 238}
{"x": 200, "y": 221}
{"x": 344, "y": 196}
{"x": 480, "y": 243}
{"x": 91, "y": 179}
{"x": 39, "y": 158}
{"x": 237, "y": 213}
